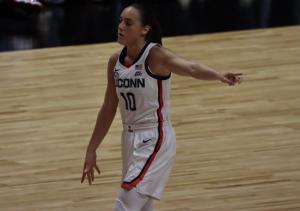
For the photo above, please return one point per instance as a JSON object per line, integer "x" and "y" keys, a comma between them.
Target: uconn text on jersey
{"x": 130, "y": 82}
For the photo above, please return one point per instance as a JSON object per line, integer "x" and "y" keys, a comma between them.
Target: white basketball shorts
{"x": 148, "y": 153}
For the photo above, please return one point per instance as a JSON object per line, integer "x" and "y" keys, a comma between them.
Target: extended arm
{"x": 163, "y": 61}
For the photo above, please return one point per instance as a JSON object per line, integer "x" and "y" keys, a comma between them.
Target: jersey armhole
{"x": 150, "y": 73}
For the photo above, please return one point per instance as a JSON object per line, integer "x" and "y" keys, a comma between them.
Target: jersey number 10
{"x": 129, "y": 101}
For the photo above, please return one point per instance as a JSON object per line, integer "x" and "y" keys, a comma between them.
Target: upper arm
{"x": 163, "y": 61}
{"x": 111, "y": 98}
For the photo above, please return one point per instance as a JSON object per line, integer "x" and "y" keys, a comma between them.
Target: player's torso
{"x": 143, "y": 98}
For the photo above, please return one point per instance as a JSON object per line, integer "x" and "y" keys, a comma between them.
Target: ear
{"x": 146, "y": 29}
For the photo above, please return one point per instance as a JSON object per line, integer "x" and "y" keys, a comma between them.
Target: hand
{"x": 88, "y": 169}
{"x": 231, "y": 78}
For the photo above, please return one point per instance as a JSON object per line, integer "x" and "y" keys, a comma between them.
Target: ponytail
{"x": 155, "y": 34}
{"x": 148, "y": 18}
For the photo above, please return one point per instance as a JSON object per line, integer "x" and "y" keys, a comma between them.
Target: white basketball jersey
{"x": 143, "y": 96}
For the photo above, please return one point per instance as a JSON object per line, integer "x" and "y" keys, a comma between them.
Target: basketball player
{"x": 139, "y": 83}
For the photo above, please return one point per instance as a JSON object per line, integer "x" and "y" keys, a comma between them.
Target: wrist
{"x": 90, "y": 155}
{"x": 219, "y": 76}
{"x": 90, "y": 150}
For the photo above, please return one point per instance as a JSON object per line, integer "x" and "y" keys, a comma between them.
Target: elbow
{"x": 193, "y": 69}
{"x": 106, "y": 114}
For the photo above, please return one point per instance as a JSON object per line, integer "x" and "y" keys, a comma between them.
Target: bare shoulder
{"x": 111, "y": 65}
{"x": 157, "y": 51}
{"x": 113, "y": 59}
{"x": 160, "y": 53}
{"x": 156, "y": 55}
{"x": 157, "y": 59}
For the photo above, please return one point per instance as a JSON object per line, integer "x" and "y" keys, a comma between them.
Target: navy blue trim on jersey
{"x": 124, "y": 53}
{"x": 158, "y": 77}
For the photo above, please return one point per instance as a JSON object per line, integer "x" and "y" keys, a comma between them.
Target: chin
{"x": 121, "y": 41}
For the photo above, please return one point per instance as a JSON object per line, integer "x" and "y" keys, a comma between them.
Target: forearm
{"x": 204, "y": 72}
{"x": 103, "y": 123}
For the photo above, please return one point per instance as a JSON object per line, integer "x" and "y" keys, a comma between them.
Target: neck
{"x": 134, "y": 50}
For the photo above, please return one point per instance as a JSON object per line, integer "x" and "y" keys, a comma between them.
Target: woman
{"x": 138, "y": 81}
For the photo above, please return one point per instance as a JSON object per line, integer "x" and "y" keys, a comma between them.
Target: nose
{"x": 121, "y": 25}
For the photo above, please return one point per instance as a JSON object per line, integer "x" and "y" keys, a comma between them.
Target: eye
{"x": 128, "y": 23}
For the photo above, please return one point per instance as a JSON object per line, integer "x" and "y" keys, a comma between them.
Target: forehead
{"x": 130, "y": 13}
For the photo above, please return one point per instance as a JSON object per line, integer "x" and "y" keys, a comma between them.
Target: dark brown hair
{"x": 148, "y": 18}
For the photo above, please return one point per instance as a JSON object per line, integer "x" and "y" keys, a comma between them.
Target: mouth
{"x": 120, "y": 35}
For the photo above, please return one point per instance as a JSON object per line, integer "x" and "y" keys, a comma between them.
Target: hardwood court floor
{"x": 238, "y": 147}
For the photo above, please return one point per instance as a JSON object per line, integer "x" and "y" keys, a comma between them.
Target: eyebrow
{"x": 127, "y": 19}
